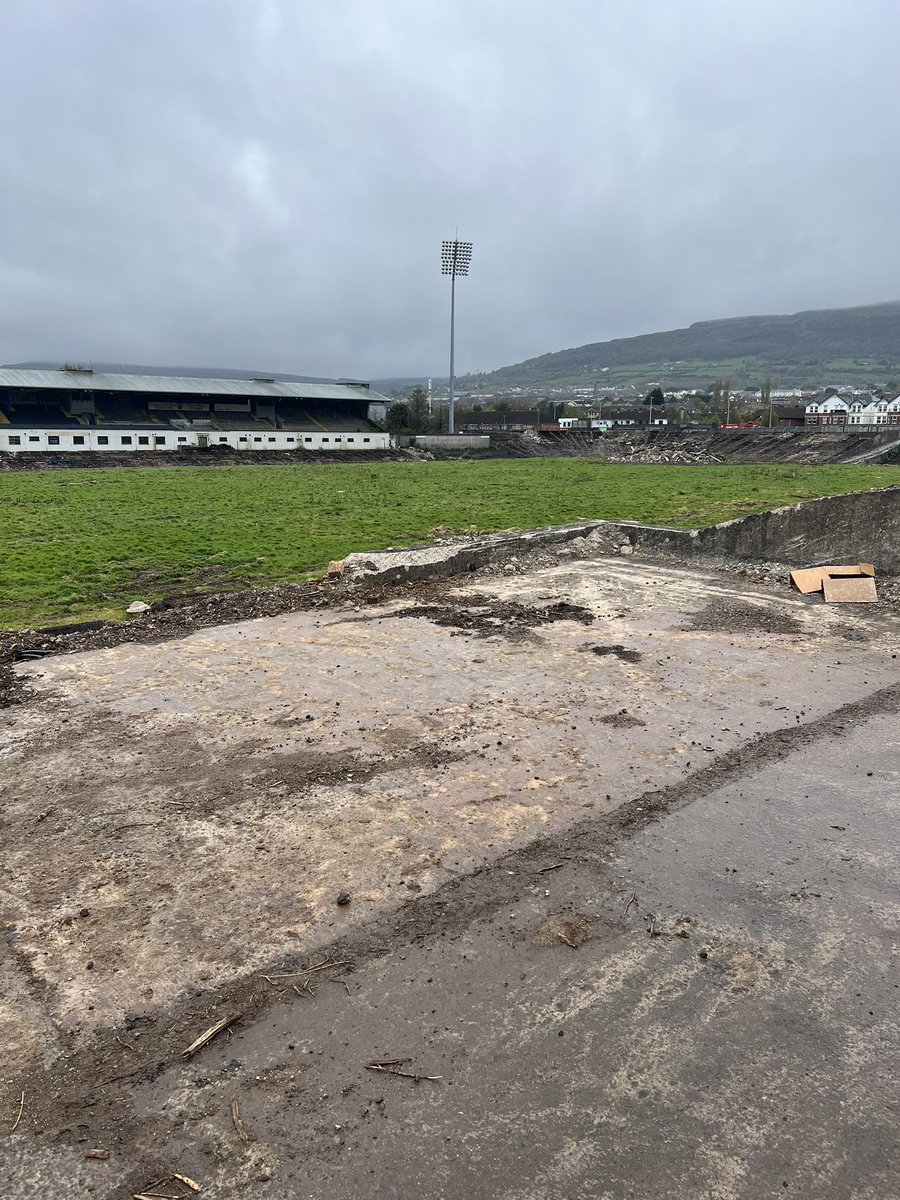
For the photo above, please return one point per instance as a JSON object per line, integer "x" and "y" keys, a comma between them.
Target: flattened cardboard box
{"x": 853, "y": 589}
{"x": 813, "y": 579}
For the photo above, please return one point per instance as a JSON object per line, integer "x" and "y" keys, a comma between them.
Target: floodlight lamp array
{"x": 455, "y": 257}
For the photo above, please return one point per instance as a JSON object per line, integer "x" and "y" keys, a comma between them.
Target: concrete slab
{"x": 179, "y": 819}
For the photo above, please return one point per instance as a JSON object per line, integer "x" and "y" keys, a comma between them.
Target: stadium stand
{"x": 80, "y": 410}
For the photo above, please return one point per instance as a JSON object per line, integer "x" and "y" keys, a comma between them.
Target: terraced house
{"x": 864, "y": 413}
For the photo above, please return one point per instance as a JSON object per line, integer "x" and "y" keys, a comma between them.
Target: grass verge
{"x": 76, "y": 545}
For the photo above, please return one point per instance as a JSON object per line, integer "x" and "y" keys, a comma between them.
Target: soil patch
{"x": 735, "y": 617}
{"x": 623, "y": 720}
{"x": 571, "y": 929}
{"x": 623, "y": 653}
{"x": 490, "y": 617}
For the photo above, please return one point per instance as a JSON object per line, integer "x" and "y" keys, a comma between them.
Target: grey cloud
{"x": 265, "y": 183}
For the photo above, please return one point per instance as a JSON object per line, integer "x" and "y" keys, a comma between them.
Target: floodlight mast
{"x": 455, "y": 259}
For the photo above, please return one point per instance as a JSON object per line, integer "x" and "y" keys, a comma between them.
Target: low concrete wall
{"x": 452, "y": 441}
{"x": 859, "y": 527}
{"x": 456, "y": 558}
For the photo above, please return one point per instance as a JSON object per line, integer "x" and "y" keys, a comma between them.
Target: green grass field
{"x": 83, "y": 544}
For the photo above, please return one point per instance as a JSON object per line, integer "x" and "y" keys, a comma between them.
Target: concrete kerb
{"x": 857, "y": 527}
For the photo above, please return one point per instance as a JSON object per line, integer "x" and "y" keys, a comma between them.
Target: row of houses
{"x": 863, "y": 413}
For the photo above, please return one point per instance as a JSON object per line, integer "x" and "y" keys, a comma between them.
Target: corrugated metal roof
{"x": 89, "y": 382}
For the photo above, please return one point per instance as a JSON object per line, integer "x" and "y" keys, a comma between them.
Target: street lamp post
{"x": 455, "y": 259}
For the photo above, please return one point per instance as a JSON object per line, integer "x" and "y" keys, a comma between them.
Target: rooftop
{"x": 183, "y": 385}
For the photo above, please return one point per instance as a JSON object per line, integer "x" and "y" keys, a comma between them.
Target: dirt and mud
{"x": 383, "y": 849}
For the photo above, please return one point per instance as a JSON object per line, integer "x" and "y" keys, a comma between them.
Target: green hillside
{"x": 855, "y": 345}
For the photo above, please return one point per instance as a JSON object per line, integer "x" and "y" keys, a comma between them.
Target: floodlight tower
{"x": 455, "y": 259}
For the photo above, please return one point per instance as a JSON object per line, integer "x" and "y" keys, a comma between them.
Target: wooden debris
{"x": 327, "y": 963}
{"x": 391, "y": 1066}
{"x": 552, "y": 867}
{"x": 100, "y": 1154}
{"x": 564, "y": 937}
{"x": 19, "y": 1114}
{"x": 632, "y": 899}
{"x": 185, "y": 1180}
{"x": 238, "y": 1123}
{"x": 208, "y": 1034}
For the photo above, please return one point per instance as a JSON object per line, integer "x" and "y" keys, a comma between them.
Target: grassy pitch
{"x": 81, "y": 544}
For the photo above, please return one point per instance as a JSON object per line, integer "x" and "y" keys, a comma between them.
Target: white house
{"x": 875, "y": 413}
{"x": 863, "y": 414}
{"x": 830, "y": 412}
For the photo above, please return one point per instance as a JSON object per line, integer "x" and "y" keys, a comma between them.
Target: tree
{"x": 397, "y": 418}
{"x": 655, "y": 396}
{"x": 418, "y": 410}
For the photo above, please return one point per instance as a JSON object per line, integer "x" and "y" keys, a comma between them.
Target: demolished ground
{"x": 571, "y": 877}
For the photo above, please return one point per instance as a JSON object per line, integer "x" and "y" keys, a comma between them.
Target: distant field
{"x": 83, "y": 544}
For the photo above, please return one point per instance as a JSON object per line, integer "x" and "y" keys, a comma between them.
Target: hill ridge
{"x": 861, "y": 343}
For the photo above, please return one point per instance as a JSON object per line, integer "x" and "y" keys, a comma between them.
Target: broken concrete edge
{"x": 442, "y": 559}
{"x": 819, "y": 530}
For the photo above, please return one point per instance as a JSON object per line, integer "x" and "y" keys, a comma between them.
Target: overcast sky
{"x": 266, "y": 183}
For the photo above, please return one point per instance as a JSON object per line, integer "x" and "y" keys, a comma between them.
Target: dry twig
{"x": 552, "y": 867}
{"x": 238, "y": 1123}
{"x": 632, "y": 899}
{"x": 209, "y": 1034}
{"x": 386, "y": 1067}
{"x": 568, "y": 941}
{"x": 19, "y": 1114}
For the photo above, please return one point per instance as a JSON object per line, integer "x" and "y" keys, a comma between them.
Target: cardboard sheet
{"x": 811, "y": 579}
{"x": 856, "y": 589}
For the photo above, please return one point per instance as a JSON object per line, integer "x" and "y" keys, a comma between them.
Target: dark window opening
{"x": 223, "y": 439}
{"x": 53, "y": 440}
{"x": 160, "y": 441}
{"x": 102, "y": 440}
{"x": 182, "y": 439}
{"x": 143, "y": 441}
{"x": 367, "y": 439}
{"x": 15, "y": 440}
{"x": 324, "y": 439}
{"x": 272, "y": 439}
{"x": 349, "y": 440}
{"x": 78, "y": 439}
{"x": 126, "y": 441}
{"x": 34, "y": 438}
{"x": 291, "y": 439}
{"x": 307, "y": 439}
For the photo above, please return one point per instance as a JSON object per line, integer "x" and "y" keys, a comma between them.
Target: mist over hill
{"x": 821, "y": 346}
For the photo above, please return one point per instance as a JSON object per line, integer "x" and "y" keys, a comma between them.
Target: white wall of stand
{"x": 72, "y": 441}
